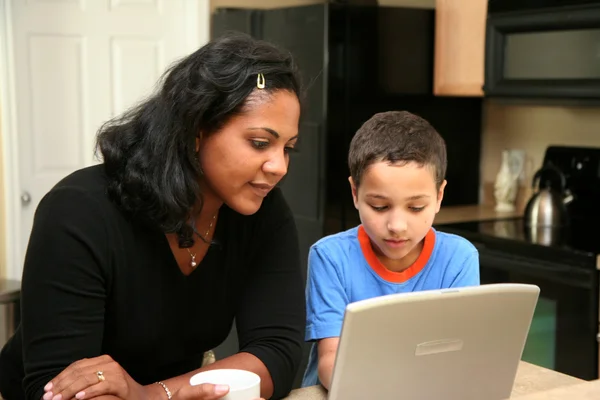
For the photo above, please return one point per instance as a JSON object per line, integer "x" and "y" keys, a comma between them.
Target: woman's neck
{"x": 208, "y": 206}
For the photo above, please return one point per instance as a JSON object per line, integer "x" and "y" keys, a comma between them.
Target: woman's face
{"x": 244, "y": 160}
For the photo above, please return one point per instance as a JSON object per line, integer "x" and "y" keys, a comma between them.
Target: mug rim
{"x": 236, "y": 372}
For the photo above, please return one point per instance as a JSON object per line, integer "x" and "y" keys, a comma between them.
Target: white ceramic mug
{"x": 243, "y": 385}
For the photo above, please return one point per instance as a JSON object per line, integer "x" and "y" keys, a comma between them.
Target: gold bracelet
{"x": 169, "y": 395}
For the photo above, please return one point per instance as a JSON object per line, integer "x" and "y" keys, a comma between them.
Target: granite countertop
{"x": 581, "y": 391}
{"x": 476, "y": 212}
{"x": 530, "y": 380}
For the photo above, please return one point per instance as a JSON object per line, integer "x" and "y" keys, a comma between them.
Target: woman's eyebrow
{"x": 271, "y": 131}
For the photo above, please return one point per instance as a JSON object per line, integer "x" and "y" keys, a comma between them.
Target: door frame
{"x": 197, "y": 27}
{"x": 8, "y": 136}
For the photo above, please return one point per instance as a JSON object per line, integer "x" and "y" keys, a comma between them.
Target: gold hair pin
{"x": 260, "y": 81}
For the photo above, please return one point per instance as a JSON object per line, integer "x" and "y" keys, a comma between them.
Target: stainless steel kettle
{"x": 547, "y": 207}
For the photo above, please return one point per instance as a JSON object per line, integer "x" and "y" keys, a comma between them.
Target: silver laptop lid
{"x": 452, "y": 344}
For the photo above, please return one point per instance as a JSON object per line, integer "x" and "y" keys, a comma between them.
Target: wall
{"x": 408, "y": 3}
{"x": 290, "y": 3}
{"x": 3, "y": 337}
{"x": 531, "y": 128}
{"x": 2, "y": 216}
{"x": 260, "y": 3}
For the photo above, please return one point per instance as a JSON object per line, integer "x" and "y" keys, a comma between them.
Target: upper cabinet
{"x": 459, "y": 47}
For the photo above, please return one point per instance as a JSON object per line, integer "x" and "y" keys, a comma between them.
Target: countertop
{"x": 530, "y": 380}
{"x": 10, "y": 291}
{"x": 581, "y": 391}
{"x": 476, "y": 212}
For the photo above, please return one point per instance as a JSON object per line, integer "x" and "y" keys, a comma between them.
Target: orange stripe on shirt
{"x": 386, "y": 274}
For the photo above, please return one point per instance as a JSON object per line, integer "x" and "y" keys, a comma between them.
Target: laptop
{"x": 451, "y": 344}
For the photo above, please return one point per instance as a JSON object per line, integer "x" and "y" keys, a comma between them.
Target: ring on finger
{"x": 100, "y": 376}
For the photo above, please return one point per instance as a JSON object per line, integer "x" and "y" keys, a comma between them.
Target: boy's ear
{"x": 440, "y": 196}
{"x": 354, "y": 192}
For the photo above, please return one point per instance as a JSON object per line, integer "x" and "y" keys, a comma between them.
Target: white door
{"x": 76, "y": 64}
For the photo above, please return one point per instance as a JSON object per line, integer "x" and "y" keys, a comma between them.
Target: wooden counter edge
{"x": 308, "y": 393}
{"x": 530, "y": 379}
{"x": 475, "y": 212}
{"x": 581, "y": 391}
{"x": 533, "y": 379}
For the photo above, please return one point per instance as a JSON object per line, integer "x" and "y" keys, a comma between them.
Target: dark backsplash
{"x": 378, "y": 59}
{"x": 459, "y": 122}
{"x": 381, "y": 59}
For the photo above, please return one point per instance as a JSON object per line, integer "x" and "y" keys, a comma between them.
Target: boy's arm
{"x": 468, "y": 275}
{"x": 327, "y": 351}
{"x": 326, "y": 302}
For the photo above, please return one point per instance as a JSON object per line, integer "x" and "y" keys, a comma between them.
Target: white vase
{"x": 507, "y": 180}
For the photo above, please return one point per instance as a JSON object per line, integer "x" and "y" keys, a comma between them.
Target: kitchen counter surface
{"x": 530, "y": 380}
{"x": 581, "y": 391}
{"x": 476, "y": 212}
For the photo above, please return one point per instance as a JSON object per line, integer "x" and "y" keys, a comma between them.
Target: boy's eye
{"x": 259, "y": 144}
{"x": 417, "y": 209}
{"x": 378, "y": 208}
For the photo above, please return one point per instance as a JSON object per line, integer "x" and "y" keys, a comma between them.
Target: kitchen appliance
{"x": 546, "y": 216}
{"x": 565, "y": 330}
{"x": 543, "y": 49}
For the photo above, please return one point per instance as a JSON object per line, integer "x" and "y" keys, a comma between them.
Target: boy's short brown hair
{"x": 397, "y": 137}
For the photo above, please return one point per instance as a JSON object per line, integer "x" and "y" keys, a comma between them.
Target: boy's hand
{"x": 327, "y": 349}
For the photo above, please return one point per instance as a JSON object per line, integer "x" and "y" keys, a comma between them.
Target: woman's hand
{"x": 93, "y": 377}
{"x": 205, "y": 391}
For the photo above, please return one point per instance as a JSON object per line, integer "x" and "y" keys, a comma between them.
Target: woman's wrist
{"x": 155, "y": 391}
{"x": 166, "y": 389}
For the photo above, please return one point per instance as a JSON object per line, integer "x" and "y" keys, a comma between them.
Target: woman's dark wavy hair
{"x": 149, "y": 152}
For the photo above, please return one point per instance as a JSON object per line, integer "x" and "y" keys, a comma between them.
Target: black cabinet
{"x": 353, "y": 59}
{"x": 302, "y": 31}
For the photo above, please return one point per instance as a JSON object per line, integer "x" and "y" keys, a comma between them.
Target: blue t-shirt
{"x": 343, "y": 269}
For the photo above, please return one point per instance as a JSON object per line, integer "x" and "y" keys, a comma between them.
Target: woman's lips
{"x": 261, "y": 189}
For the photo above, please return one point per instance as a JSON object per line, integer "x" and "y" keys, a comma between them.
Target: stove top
{"x": 573, "y": 246}
{"x": 578, "y": 243}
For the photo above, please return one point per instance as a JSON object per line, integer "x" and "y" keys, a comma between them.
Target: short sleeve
{"x": 468, "y": 274}
{"x": 326, "y": 298}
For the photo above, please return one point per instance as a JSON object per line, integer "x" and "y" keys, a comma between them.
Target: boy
{"x": 397, "y": 165}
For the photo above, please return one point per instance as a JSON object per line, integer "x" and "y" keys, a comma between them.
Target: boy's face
{"x": 397, "y": 204}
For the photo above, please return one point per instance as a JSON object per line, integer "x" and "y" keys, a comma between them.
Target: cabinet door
{"x": 459, "y": 47}
{"x": 301, "y": 30}
{"x": 233, "y": 19}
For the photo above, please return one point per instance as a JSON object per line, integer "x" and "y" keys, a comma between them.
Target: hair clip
{"x": 260, "y": 81}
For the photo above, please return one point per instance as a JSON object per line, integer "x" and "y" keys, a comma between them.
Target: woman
{"x": 137, "y": 266}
